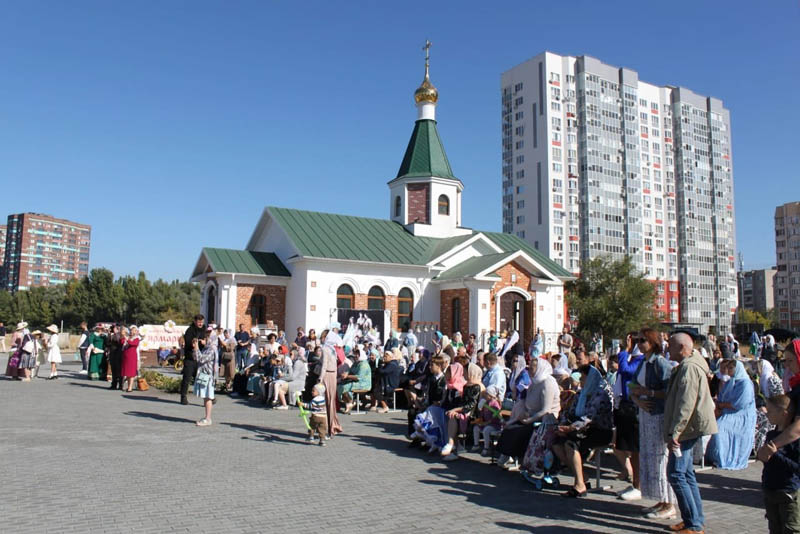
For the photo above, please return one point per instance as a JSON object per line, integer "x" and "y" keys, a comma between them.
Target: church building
{"x": 419, "y": 266}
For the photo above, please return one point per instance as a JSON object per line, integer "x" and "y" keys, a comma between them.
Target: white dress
{"x": 53, "y": 351}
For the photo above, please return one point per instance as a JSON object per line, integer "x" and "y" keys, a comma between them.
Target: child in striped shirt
{"x": 319, "y": 418}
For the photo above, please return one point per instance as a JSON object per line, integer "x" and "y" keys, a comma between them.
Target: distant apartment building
{"x": 787, "y": 251}
{"x": 41, "y": 250}
{"x": 756, "y": 290}
{"x": 2, "y": 248}
{"x": 596, "y": 162}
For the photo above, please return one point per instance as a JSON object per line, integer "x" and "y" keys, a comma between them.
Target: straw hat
{"x": 36, "y": 333}
{"x": 52, "y": 328}
{"x": 22, "y": 326}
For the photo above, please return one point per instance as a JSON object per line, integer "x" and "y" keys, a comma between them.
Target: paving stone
{"x": 76, "y": 457}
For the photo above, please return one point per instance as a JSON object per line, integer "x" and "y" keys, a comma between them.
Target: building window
{"x": 456, "y": 306}
{"x": 258, "y": 309}
{"x": 376, "y": 300}
{"x": 444, "y": 205}
{"x": 405, "y": 308}
{"x": 345, "y": 298}
{"x": 397, "y": 206}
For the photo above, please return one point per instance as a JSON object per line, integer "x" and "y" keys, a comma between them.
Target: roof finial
{"x": 427, "y": 49}
{"x": 426, "y": 93}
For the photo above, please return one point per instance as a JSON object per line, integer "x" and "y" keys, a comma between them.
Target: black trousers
{"x": 115, "y": 361}
{"x": 189, "y": 371}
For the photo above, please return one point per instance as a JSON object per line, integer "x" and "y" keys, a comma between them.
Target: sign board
{"x": 155, "y": 335}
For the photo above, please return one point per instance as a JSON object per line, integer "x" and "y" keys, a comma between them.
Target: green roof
{"x": 473, "y": 266}
{"x": 425, "y": 154}
{"x": 225, "y": 260}
{"x": 346, "y": 237}
{"x": 512, "y": 243}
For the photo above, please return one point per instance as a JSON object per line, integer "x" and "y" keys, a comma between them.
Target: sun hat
{"x": 52, "y": 328}
{"x": 22, "y": 325}
{"x": 36, "y": 333}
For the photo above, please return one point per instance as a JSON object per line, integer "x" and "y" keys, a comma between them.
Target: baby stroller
{"x": 540, "y": 465}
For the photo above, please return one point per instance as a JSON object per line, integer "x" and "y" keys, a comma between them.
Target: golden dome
{"x": 426, "y": 92}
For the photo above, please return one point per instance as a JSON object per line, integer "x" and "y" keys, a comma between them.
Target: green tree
{"x": 745, "y": 316}
{"x": 611, "y": 298}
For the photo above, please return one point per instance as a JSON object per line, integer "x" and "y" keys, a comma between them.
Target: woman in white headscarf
{"x": 542, "y": 404}
{"x": 543, "y": 435}
{"x": 769, "y": 385}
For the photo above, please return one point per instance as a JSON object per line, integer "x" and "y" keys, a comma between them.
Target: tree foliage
{"x": 611, "y": 298}
{"x": 100, "y": 298}
{"x": 746, "y": 316}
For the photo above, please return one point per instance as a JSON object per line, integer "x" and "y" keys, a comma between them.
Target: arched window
{"x": 345, "y": 298}
{"x": 456, "y": 306}
{"x": 376, "y": 300}
{"x": 444, "y": 205}
{"x": 211, "y": 305}
{"x": 258, "y": 309}
{"x": 397, "y": 206}
{"x": 405, "y": 308}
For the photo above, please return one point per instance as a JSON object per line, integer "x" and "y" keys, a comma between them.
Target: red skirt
{"x": 129, "y": 363}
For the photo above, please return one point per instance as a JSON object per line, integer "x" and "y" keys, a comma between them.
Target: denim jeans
{"x": 241, "y": 357}
{"x": 680, "y": 472}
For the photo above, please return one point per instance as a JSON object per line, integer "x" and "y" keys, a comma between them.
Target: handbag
{"x": 142, "y": 384}
{"x": 202, "y": 379}
{"x": 28, "y": 346}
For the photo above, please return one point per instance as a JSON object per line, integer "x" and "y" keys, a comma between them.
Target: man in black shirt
{"x": 196, "y": 330}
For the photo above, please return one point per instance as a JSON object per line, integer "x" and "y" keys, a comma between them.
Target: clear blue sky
{"x": 168, "y": 126}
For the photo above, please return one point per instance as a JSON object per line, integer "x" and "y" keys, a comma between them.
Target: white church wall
{"x": 478, "y": 247}
{"x": 549, "y": 307}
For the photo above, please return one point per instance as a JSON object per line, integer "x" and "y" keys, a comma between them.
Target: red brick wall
{"x": 505, "y": 272}
{"x": 419, "y": 203}
{"x": 446, "y": 311}
{"x": 276, "y": 304}
{"x": 391, "y": 305}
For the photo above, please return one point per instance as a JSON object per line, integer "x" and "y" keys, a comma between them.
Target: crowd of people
{"x": 659, "y": 402}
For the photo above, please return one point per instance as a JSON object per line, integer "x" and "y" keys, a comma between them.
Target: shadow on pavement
{"x": 743, "y": 493}
{"x": 261, "y": 433}
{"x": 488, "y": 486}
{"x": 95, "y": 385}
{"x": 161, "y": 417}
{"x": 150, "y": 399}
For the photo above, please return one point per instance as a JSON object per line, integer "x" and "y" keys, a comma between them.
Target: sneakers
{"x": 630, "y": 494}
{"x": 83, "y": 372}
{"x": 447, "y": 449}
{"x": 485, "y": 452}
{"x": 502, "y": 460}
{"x": 321, "y": 443}
{"x": 663, "y": 513}
{"x": 282, "y": 407}
{"x": 204, "y": 422}
{"x": 476, "y": 448}
{"x": 514, "y": 467}
{"x": 450, "y": 457}
{"x": 310, "y": 439}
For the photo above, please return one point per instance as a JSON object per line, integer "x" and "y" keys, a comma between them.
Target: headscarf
{"x": 519, "y": 366}
{"x": 726, "y": 395}
{"x": 592, "y": 385}
{"x": 445, "y": 342}
{"x": 475, "y": 374}
{"x": 765, "y": 372}
{"x": 794, "y": 381}
{"x": 537, "y": 346}
{"x": 510, "y": 343}
{"x": 456, "y": 380}
{"x": 770, "y": 341}
{"x": 301, "y": 354}
{"x": 543, "y": 370}
{"x": 362, "y": 355}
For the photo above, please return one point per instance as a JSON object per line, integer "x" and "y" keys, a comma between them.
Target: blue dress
{"x": 731, "y": 446}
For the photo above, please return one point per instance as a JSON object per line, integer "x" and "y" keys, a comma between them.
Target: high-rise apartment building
{"x": 756, "y": 290}
{"x": 787, "y": 251}
{"x": 2, "y": 248}
{"x": 597, "y": 162}
{"x": 41, "y": 250}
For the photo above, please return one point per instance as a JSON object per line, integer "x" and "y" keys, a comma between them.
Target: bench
{"x": 394, "y": 400}
{"x": 357, "y": 393}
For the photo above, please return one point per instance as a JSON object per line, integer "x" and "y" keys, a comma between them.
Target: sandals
{"x": 572, "y": 493}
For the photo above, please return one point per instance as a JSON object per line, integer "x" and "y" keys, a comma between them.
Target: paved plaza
{"x": 79, "y": 458}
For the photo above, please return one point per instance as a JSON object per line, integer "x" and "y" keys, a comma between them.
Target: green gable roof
{"x": 473, "y": 266}
{"x": 346, "y": 237}
{"x": 425, "y": 154}
{"x": 511, "y": 243}
{"x": 225, "y": 260}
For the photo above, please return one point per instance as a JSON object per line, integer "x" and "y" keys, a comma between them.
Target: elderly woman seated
{"x": 293, "y": 383}
{"x": 541, "y": 404}
{"x": 281, "y": 371}
{"x": 731, "y": 446}
{"x": 358, "y": 378}
{"x": 464, "y": 409}
{"x": 585, "y": 426}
